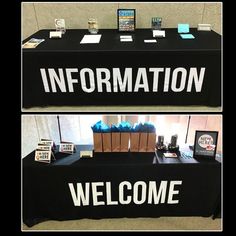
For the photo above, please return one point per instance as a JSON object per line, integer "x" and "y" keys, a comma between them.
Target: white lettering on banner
{"x": 70, "y": 80}
{"x": 121, "y": 192}
{"x": 155, "y": 77}
{"x": 91, "y": 80}
{"x": 45, "y": 81}
{"x": 139, "y": 193}
{"x": 152, "y": 193}
{"x": 104, "y": 80}
{"x": 167, "y": 80}
{"x": 146, "y": 79}
{"x": 122, "y": 84}
{"x": 198, "y": 82}
{"x": 183, "y": 75}
{"x": 60, "y": 80}
{"x": 109, "y": 201}
{"x": 141, "y": 75}
{"x": 173, "y": 192}
{"x": 96, "y": 193}
{"x": 143, "y": 192}
{"x": 80, "y": 194}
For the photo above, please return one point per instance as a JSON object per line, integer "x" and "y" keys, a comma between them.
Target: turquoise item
{"x": 187, "y": 36}
{"x": 183, "y": 28}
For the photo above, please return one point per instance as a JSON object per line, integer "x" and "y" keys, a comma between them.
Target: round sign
{"x": 205, "y": 140}
{"x": 59, "y": 23}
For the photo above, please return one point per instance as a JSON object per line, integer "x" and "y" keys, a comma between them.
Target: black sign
{"x": 116, "y": 185}
{"x": 205, "y": 144}
{"x": 171, "y": 72}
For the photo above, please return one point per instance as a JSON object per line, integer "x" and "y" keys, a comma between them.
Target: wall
{"x": 36, "y": 16}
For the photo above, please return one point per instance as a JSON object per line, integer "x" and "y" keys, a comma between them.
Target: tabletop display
{"x": 144, "y": 67}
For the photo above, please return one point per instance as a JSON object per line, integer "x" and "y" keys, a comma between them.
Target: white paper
{"x": 125, "y": 36}
{"x": 91, "y": 38}
{"x": 150, "y": 41}
{"x": 126, "y": 40}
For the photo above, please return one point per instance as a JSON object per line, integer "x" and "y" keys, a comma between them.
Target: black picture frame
{"x": 204, "y": 151}
{"x": 128, "y": 25}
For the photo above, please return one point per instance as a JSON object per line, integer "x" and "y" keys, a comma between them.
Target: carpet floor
{"x": 131, "y": 224}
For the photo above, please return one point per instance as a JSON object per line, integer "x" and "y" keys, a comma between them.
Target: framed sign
{"x": 43, "y": 156}
{"x": 67, "y": 147}
{"x": 126, "y": 19}
{"x": 44, "y": 147}
{"x": 205, "y": 143}
{"x": 48, "y": 142}
{"x": 156, "y": 23}
{"x": 60, "y": 25}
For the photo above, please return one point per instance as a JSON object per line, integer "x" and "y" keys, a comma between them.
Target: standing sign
{"x": 126, "y": 19}
{"x": 205, "y": 144}
{"x": 67, "y": 147}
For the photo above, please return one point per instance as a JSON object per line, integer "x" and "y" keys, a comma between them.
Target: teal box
{"x": 183, "y": 28}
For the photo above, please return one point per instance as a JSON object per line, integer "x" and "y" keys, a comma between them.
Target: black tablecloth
{"x": 46, "y": 194}
{"x": 168, "y": 53}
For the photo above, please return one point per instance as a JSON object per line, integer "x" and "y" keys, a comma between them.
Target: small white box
{"x": 86, "y": 154}
{"x": 204, "y": 27}
{"x": 159, "y": 33}
{"x": 55, "y": 34}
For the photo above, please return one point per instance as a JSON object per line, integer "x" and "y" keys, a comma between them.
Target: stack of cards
{"x": 32, "y": 43}
{"x": 126, "y": 38}
{"x": 44, "y": 153}
{"x": 150, "y": 40}
{"x": 170, "y": 155}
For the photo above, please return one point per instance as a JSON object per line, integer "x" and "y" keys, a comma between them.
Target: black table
{"x": 172, "y": 71}
{"x": 47, "y": 195}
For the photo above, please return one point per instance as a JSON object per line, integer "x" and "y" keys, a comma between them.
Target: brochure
{"x": 32, "y": 43}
